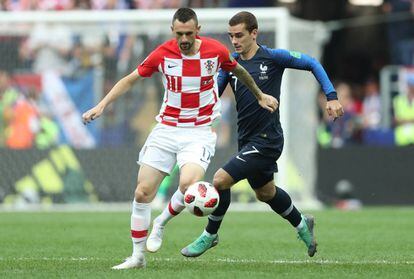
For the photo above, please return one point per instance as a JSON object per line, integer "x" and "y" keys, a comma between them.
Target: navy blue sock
{"x": 282, "y": 204}
{"x": 215, "y": 218}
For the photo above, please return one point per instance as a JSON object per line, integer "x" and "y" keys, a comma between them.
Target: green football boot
{"x": 200, "y": 245}
{"x": 306, "y": 234}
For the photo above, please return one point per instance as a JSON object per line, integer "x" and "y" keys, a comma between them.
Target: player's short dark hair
{"x": 185, "y": 14}
{"x": 247, "y": 18}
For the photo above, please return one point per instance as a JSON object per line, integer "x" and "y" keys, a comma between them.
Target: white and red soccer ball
{"x": 201, "y": 198}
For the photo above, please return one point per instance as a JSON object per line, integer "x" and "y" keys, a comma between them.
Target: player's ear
{"x": 254, "y": 34}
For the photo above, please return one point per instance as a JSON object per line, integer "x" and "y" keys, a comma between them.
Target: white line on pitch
{"x": 230, "y": 260}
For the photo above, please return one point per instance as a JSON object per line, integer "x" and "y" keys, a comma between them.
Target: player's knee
{"x": 143, "y": 194}
{"x": 184, "y": 184}
{"x": 222, "y": 180}
{"x": 264, "y": 196}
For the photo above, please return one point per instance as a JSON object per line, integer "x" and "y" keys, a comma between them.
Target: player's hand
{"x": 92, "y": 114}
{"x": 334, "y": 109}
{"x": 268, "y": 102}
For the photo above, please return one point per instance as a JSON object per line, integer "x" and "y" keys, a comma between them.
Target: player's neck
{"x": 250, "y": 53}
{"x": 194, "y": 50}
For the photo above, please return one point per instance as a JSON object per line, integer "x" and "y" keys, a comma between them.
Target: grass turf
{"x": 372, "y": 243}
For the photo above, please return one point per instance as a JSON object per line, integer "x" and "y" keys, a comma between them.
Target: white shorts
{"x": 168, "y": 145}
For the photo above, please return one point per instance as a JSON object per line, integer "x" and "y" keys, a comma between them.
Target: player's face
{"x": 185, "y": 33}
{"x": 241, "y": 38}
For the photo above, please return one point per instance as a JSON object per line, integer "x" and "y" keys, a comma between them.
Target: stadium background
{"x": 56, "y": 61}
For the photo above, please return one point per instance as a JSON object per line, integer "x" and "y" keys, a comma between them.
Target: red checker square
{"x": 172, "y": 111}
{"x": 190, "y": 100}
{"x": 187, "y": 120}
{"x": 174, "y": 83}
{"x": 206, "y": 83}
{"x": 169, "y": 123}
{"x": 207, "y": 110}
{"x": 191, "y": 68}
{"x": 201, "y": 122}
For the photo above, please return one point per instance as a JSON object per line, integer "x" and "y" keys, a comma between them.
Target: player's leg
{"x": 189, "y": 174}
{"x": 155, "y": 163}
{"x": 193, "y": 158}
{"x": 149, "y": 178}
{"x": 281, "y": 203}
{"x": 209, "y": 238}
{"x": 236, "y": 169}
{"x": 161, "y": 197}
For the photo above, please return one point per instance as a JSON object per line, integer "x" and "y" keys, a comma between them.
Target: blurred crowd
{"x": 27, "y": 121}
{"x": 24, "y": 122}
{"x": 61, "y": 5}
{"x": 362, "y": 122}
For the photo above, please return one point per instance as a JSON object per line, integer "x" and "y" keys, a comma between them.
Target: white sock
{"x": 301, "y": 224}
{"x": 140, "y": 221}
{"x": 174, "y": 207}
{"x": 208, "y": 234}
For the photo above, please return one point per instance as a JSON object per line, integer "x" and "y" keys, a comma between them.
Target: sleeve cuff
{"x": 331, "y": 96}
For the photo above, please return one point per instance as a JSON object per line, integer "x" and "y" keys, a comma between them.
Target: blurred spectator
{"x": 345, "y": 130}
{"x": 403, "y": 105}
{"x": 81, "y": 5}
{"x": 50, "y": 47}
{"x": 400, "y": 32}
{"x": 372, "y": 132}
{"x": 371, "y": 106}
{"x": 206, "y": 3}
{"x": 107, "y": 4}
{"x": 32, "y": 5}
{"x": 8, "y": 96}
{"x": 158, "y": 4}
{"x": 22, "y": 125}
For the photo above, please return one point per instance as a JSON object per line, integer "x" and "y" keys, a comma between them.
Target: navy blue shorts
{"x": 252, "y": 165}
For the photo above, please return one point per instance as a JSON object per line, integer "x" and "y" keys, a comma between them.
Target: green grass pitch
{"x": 371, "y": 243}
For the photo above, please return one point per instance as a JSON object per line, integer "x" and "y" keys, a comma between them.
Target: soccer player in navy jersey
{"x": 260, "y": 135}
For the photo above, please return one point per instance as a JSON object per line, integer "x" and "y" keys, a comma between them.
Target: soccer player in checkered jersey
{"x": 260, "y": 135}
{"x": 189, "y": 65}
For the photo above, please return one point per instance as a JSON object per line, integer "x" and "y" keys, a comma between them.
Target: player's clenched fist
{"x": 334, "y": 109}
{"x": 268, "y": 102}
{"x": 92, "y": 114}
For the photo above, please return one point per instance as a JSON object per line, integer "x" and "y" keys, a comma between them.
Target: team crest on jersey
{"x": 263, "y": 72}
{"x": 209, "y": 64}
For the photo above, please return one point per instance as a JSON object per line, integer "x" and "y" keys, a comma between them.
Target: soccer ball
{"x": 201, "y": 198}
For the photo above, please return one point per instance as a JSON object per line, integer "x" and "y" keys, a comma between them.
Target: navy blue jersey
{"x": 255, "y": 124}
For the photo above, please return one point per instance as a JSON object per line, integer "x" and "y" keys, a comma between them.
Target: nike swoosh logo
{"x": 251, "y": 151}
{"x": 171, "y": 66}
{"x": 240, "y": 158}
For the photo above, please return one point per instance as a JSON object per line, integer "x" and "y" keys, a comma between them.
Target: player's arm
{"x": 222, "y": 81}
{"x": 120, "y": 88}
{"x": 300, "y": 61}
{"x": 265, "y": 101}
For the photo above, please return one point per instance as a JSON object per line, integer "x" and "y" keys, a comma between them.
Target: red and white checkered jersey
{"x": 191, "y": 95}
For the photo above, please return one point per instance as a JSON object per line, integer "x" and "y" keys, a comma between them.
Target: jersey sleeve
{"x": 227, "y": 62}
{"x": 150, "y": 64}
{"x": 222, "y": 81}
{"x": 300, "y": 61}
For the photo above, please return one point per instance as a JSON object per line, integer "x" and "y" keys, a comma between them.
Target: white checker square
{"x": 191, "y": 84}
{"x": 173, "y": 67}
